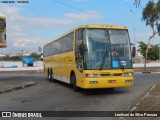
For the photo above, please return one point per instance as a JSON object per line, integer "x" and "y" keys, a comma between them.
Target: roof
{"x": 2, "y": 17}
{"x": 90, "y": 26}
{"x": 101, "y": 26}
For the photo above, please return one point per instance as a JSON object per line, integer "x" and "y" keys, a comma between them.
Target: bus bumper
{"x": 109, "y": 82}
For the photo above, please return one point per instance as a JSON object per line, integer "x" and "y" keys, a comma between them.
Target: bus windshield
{"x": 100, "y": 44}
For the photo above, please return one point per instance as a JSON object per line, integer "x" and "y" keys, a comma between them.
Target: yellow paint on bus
{"x": 91, "y": 56}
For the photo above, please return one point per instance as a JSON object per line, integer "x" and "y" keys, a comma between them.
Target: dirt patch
{"x": 151, "y": 102}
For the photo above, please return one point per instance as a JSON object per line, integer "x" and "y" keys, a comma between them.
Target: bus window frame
{"x": 3, "y": 30}
{"x": 76, "y": 45}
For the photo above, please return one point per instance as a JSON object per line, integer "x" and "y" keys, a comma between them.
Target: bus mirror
{"x": 79, "y": 42}
{"x": 81, "y": 49}
{"x": 133, "y": 51}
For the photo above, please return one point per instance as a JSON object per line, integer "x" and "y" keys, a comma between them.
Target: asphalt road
{"x": 48, "y": 96}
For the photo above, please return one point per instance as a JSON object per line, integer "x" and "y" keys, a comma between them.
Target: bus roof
{"x": 101, "y": 26}
{"x": 2, "y": 17}
{"x": 90, "y": 26}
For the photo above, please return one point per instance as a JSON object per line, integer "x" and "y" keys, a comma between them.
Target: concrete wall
{"x": 7, "y": 66}
{"x": 40, "y": 64}
{"x": 19, "y": 63}
{"x": 148, "y": 65}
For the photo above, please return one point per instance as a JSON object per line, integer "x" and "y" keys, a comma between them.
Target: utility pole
{"x": 133, "y": 19}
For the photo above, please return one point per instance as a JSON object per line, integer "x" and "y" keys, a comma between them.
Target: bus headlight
{"x": 93, "y": 75}
{"x": 128, "y": 81}
{"x": 128, "y": 74}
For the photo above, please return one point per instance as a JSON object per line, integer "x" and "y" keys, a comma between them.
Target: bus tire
{"x": 52, "y": 78}
{"x": 73, "y": 81}
{"x": 48, "y": 75}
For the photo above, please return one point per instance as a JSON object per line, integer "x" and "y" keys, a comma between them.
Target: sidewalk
{"x": 8, "y": 86}
{"x": 150, "y": 102}
{"x": 148, "y": 70}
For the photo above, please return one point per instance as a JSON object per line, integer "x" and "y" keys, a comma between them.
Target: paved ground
{"x": 9, "y": 86}
{"x": 48, "y": 96}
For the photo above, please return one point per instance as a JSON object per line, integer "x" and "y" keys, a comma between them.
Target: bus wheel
{"x": 73, "y": 81}
{"x": 52, "y": 79}
{"x": 48, "y": 75}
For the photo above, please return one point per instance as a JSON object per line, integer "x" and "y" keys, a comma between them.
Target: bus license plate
{"x": 111, "y": 81}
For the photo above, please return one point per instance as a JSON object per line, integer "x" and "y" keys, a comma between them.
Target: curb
{"x": 146, "y": 72}
{"x": 24, "y": 85}
{"x": 146, "y": 95}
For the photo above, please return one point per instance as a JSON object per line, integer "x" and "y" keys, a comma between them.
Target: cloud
{"x": 23, "y": 42}
{"x": 89, "y": 15}
{"x": 126, "y": 0}
{"x": 39, "y": 23}
{"x": 18, "y": 23}
{"x": 6, "y": 10}
{"x": 80, "y": 0}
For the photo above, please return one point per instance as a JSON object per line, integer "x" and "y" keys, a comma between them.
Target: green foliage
{"x": 142, "y": 48}
{"x": 153, "y": 51}
{"x": 35, "y": 56}
{"x": 151, "y": 14}
{"x": 11, "y": 58}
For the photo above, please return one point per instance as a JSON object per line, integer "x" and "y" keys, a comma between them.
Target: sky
{"x": 33, "y": 24}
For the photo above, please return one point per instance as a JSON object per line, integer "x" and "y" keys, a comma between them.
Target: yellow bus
{"x": 2, "y": 32}
{"x": 91, "y": 56}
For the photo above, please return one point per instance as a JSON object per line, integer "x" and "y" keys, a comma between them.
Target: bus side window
{"x": 79, "y": 58}
{"x": 2, "y": 36}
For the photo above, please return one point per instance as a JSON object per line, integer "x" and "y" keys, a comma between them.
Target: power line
{"x": 67, "y": 5}
{"x": 100, "y": 16}
{"x": 104, "y": 18}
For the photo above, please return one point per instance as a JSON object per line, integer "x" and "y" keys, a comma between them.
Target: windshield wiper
{"x": 103, "y": 60}
{"x": 113, "y": 54}
{"x": 120, "y": 61}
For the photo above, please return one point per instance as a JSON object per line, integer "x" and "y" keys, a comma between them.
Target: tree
{"x": 142, "y": 48}
{"x": 153, "y": 51}
{"x": 137, "y": 2}
{"x": 35, "y": 56}
{"x": 151, "y": 15}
